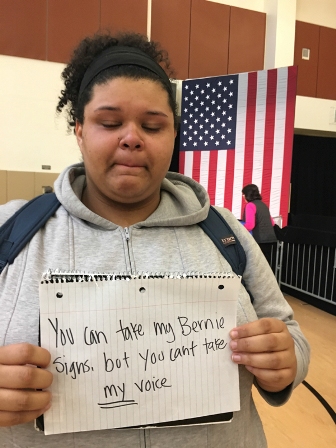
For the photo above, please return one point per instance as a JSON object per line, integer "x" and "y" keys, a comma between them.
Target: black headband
{"x": 122, "y": 56}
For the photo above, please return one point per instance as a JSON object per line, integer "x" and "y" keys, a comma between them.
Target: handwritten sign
{"x": 136, "y": 352}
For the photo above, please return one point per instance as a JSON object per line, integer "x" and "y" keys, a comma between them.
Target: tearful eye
{"x": 110, "y": 125}
{"x": 151, "y": 129}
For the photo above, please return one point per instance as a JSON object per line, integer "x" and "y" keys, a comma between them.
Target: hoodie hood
{"x": 183, "y": 201}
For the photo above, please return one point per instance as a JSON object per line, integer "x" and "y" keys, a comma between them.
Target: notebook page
{"x": 129, "y": 352}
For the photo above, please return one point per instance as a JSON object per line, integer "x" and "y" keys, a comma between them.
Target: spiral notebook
{"x": 130, "y": 351}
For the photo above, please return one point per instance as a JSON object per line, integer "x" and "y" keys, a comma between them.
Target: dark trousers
{"x": 270, "y": 251}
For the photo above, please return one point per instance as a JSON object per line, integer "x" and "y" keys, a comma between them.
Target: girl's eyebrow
{"x": 118, "y": 109}
{"x": 112, "y": 108}
{"x": 156, "y": 112}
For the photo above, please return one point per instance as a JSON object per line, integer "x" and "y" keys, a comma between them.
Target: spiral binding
{"x": 59, "y": 276}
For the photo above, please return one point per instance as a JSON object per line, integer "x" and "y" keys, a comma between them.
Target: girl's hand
{"x": 20, "y": 399}
{"x": 266, "y": 348}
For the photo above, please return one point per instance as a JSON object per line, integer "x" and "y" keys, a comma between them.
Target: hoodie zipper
{"x": 127, "y": 237}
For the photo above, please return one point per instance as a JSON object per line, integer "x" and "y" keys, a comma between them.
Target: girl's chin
{"x": 126, "y": 192}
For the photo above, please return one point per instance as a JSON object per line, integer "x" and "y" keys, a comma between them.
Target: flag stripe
{"x": 269, "y": 135}
{"x": 240, "y": 146}
{"x": 258, "y": 154}
{"x": 204, "y": 169}
{"x": 196, "y": 166}
{"x": 221, "y": 173}
{"x": 230, "y": 165}
{"x": 249, "y": 130}
{"x": 230, "y": 172}
{"x": 182, "y": 163}
{"x": 189, "y": 158}
{"x": 288, "y": 144}
{"x": 212, "y": 178}
{"x": 278, "y": 146}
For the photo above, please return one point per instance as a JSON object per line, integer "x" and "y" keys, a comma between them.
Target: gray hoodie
{"x": 167, "y": 241}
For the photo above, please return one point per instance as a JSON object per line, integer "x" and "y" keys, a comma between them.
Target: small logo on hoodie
{"x": 227, "y": 241}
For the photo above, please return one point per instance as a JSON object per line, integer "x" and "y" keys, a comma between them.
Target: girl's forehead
{"x": 141, "y": 84}
{"x": 130, "y": 90}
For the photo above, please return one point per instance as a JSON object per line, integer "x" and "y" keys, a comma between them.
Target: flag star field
{"x": 209, "y": 108}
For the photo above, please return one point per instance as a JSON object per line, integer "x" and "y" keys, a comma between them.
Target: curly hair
{"x": 251, "y": 192}
{"x": 83, "y": 55}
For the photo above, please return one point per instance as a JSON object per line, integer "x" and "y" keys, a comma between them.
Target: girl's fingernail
{"x": 233, "y": 345}
{"x": 234, "y": 334}
{"x": 236, "y": 358}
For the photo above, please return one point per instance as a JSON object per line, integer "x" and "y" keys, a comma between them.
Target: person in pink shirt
{"x": 258, "y": 221}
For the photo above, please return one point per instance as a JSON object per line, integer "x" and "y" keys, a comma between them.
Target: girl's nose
{"x": 131, "y": 138}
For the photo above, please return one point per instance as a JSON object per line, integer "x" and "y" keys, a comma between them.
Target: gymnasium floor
{"x": 304, "y": 422}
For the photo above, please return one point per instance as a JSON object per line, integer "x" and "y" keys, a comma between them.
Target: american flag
{"x": 237, "y": 130}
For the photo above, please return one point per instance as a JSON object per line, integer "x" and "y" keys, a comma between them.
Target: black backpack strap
{"x": 225, "y": 240}
{"x": 221, "y": 234}
{"x": 18, "y": 230}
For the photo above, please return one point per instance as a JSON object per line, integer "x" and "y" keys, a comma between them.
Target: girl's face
{"x": 126, "y": 140}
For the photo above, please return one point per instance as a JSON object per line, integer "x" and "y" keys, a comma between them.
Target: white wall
{"x": 30, "y": 133}
{"x": 254, "y": 5}
{"x": 315, "y": 114}
{"x": 280, "y": 33}
{"x": 318, "y": 12}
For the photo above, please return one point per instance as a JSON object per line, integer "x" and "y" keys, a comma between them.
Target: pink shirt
{"x": 250, "y": 213}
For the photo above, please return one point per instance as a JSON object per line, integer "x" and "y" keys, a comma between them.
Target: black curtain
{"x": 174, "y": 165}
{"x": 313, "y": 176}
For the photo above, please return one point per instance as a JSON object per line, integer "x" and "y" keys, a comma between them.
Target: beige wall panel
{"x": 43, "y": 180}
{"x": 69, "y": 21}
{"x": 170, "y": 26}
{"x": 326, "y": 87}
{"x": 3, "y": 187}
{"x": 115, "y": 15}
{"x": 247, "y": 40}
{"x": 307, "y": 35}
{"x": 209, "y": 39}
{"x": 23, "y": 28}
{"x": 20, "y": 185}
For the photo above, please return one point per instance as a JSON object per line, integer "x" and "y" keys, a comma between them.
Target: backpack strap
{"x": 18, "y": 230}
{"x": 221, "y": 234}
{"x": 225, "y": 240}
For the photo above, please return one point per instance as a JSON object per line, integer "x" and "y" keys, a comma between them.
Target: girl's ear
{"x": 79, "y": 134}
